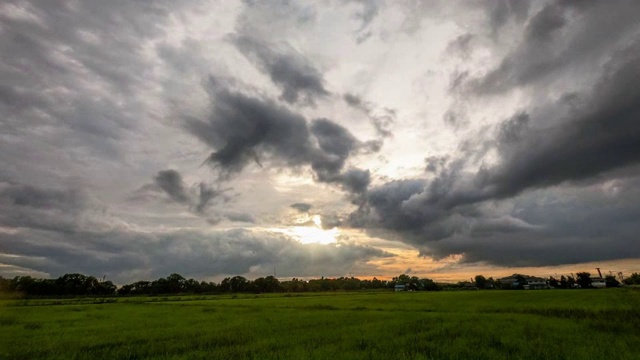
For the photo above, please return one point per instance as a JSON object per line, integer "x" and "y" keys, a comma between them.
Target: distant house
{"x": 509, "y": 280}
{"x": 598, "y": 282}
{"x": 535, "y": 283}
{"x": 400, "y": 288}
{"x": 530, "y": 282}
{"x": 469, "y": 286}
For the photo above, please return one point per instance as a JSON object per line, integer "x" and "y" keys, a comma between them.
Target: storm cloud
{"x": 602, "y": 135}
{"x": 560, "y": 40}
{"x": 298, "y": 79}
{"x": 302, "y": 207}
{"x": 203, "y": 200}
{"x": 244, "y": 129}
{"x": 588, "y": 138}
{"x": 53, "y": 232}
{"x": 170, "y": 181}
{"x": 125, "y": 256}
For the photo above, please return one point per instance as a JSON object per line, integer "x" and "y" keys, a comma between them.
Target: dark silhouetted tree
{"x": 267, "y": 284}
{"x": 481, "y": 281}
{"x": 429, "y": 285}
{"x": 238, "y": 284}
{"x": 4, "y": 285}
{"x": 402, "y": 279}
{"x": 584, "y": 280}
{"x": 634, "y": 279}
{"x": 611, "y": 281}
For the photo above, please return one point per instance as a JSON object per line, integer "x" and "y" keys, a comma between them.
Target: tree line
{"x": 83, "y": 285}
{"x": 66, "y": 285}
{"x": 582, "y": 280}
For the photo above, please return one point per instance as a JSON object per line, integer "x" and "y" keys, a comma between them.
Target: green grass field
{"x": 548, "y": 324}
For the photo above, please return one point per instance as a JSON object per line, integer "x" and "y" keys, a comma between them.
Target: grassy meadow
{"x": 547, "y": 324}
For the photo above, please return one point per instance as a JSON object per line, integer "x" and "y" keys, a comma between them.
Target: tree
{"x": 634, "y": 279}
{"x": 481, "y": 281}
{"x": 584, "y": 280}
{"x": 78, "y": 284}
{"x": 4, "y": 285}
{"x": 105, "y": 288}
{"x": 563, "y": 282}
{"x": 429, "y": 285}
{"x": 176, "y": 283}
{"x": 192, "y": 286}
{"x": 238, "y": 284}
{"x": 611, "y": 281}
{"x": 297, "y": 285}
{"x": 402, "y": 279}
{"x": 267, "y": 284}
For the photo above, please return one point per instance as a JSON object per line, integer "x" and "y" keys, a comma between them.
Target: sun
{"x": 313, "y": 234}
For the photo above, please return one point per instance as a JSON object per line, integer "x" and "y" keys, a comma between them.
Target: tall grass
{"x": 580, "y": 324}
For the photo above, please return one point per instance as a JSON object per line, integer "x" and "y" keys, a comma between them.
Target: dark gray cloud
{"x": 302, "y": 207}
{"x": 298, "y": 79}
{"x": 76, "y": 80}
{"x": 512, "y": 130}
{"x": 331, "y": 220}
{"x": 88, "y": 28}
{"x": 336, "y": 144}
{"x": 355, "y": 180}
{"x": 597, "y": 135}
{"x": 435, "y": 164}
{"x": 241, "y": 127}
{"x": 206, "y": 195}
{"x": 541, "y": 228}
{"x": 170, "y": 181}
{"x": 239, "y": 217}
{"x": 353, "y": 100}
{"x": 38, "y": 198}
{"x": 545, "y": 23}
{"x": 201, "y": 199}
{"x": 244, "y": 129}
{"x": 59, "y": 209}
{"x": 579, "y": 225}
{"x": 332, "y": 138}
{"x": 127, "y": 255}
{"x": 500, "y": 12}
{"x": 384, "y": 205}
{"x": 53, "y": 231}
{"x": 560, "y": 41}
{"x": 602, "y": 135}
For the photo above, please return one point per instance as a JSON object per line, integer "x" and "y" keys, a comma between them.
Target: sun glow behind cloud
{"x": 311, "y": 234}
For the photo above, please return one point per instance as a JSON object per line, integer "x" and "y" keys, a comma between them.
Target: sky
{"x": 365, "y": 138}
